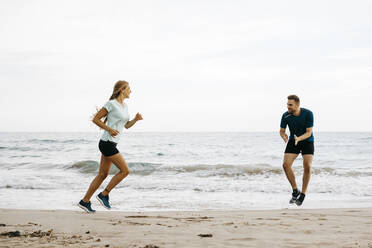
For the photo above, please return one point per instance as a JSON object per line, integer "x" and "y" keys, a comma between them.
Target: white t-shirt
{"x": 117, "y": 117}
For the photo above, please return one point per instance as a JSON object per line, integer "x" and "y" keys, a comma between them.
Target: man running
{"x": 300, "y": 122}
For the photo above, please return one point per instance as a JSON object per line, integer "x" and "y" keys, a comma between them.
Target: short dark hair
{"x": 294, "y": 97}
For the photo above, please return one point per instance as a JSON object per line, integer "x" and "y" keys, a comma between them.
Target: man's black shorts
{"x": 303, "y": 147}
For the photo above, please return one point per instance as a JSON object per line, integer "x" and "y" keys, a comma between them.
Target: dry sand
{"x": 251, "y": 228}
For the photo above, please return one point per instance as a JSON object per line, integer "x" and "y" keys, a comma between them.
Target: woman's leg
{"x": 119, "y": 162}
{"x": 104, "y": 169}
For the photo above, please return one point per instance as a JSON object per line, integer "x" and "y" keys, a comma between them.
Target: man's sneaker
{"x": 295, "y": 194}
{"x": 104, "y": 200}
{"x": 86, "y": 206}
{"x": 300, "y": 199}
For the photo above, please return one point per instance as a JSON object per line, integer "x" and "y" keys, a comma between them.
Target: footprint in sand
{"x": 228, "y": 223}
{"x": 243, "y": 239}
{"x": 138, "y": 223}
{"x": 159, "y": 224}
{"x": 137, "y": 216}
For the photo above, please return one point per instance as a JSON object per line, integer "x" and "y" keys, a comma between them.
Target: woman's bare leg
{"x": 119, "y": 162}
{"x": 104, "y": 169}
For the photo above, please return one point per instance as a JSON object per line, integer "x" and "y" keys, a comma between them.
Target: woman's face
{"x": 126, "y": 92}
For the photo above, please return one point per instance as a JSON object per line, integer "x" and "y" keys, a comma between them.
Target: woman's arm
{"x": 129, "y": 124}
{"x": 97, "y": 120}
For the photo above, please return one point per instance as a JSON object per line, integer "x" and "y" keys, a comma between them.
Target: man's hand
{"x": 296, "y": 140}
{"x": 285, "y": 138}
{"x": 283, "y": 135}
{"x": 306, "y": 135}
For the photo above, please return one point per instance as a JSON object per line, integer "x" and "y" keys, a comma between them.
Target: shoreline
{"x": 100, "y": 209}
{"x": 333, "y": 227}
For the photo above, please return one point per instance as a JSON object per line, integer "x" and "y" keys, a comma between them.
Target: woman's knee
{"x": 287, "y": 165}
{"x": 102, "y": 175}
{"x": 124, "y": 172}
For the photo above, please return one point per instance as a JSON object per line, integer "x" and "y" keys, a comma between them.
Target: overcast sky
{"x": 192, "y": 65}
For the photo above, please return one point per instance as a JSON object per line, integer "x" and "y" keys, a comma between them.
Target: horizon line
{"x": 179, "y": 131}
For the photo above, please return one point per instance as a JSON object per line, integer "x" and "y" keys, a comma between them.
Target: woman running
{"x": 117, "y": 117}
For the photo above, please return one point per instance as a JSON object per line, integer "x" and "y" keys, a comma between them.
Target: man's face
{"x": 292, "y": 106}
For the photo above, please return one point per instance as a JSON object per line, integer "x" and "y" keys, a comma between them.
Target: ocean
{"x": 183, "y": 171}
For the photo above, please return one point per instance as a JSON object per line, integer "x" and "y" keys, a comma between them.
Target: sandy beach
{"x": 251, "y": 228}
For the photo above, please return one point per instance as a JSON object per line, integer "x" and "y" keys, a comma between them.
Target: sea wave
{"x": 8, "y": 186}
{"x": 90, "y": 166}
{"x": 207, "y": 170}
{"x": 17, "y": 148}
{"x": 79, "y": 141}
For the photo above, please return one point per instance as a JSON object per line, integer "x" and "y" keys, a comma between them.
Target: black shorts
{"x": 305, "y": 147}
{"x": 107, "y": 148}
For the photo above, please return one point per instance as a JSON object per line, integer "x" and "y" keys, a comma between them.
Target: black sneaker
{"x": 86, "y": 206}
{"x": 300, "y": 199}
{"x": 104, "y": 200}
{"x": 295, "y": 194}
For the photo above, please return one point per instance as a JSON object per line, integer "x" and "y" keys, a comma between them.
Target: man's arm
{"x": 309, "y": 128}
{"x": 283, "y": 135}
{"x": 283, "y": 126}
{"x": 306, "y": 135}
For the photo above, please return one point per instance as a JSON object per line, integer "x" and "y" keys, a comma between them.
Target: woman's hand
{"x": 129, "y": 124}
{"x": 138, "y": 117}
{"x": 113, "y": 132}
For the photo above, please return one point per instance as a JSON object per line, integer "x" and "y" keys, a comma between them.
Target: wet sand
{"x": 251, "y": 228}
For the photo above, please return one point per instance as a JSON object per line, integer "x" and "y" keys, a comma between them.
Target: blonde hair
{"x": 118, "y": 88}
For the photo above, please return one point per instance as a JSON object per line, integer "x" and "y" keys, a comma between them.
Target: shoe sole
{"x": 85, "y": 209}
{"x": 100, "y": 201}
{"x": 298, "y": 204}
{"x": 292, "y": 201}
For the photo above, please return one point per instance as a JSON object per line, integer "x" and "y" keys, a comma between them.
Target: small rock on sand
{"x": 11, "y": 234}
{"x": 151, "y": 246}
{"x": 208, "y": 235}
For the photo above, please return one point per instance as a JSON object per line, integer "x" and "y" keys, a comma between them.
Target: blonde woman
{"x": 117, "y": 117}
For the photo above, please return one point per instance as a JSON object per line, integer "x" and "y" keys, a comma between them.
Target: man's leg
{"x": 289, "y": 158}
{"x": 308, "y": 159}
